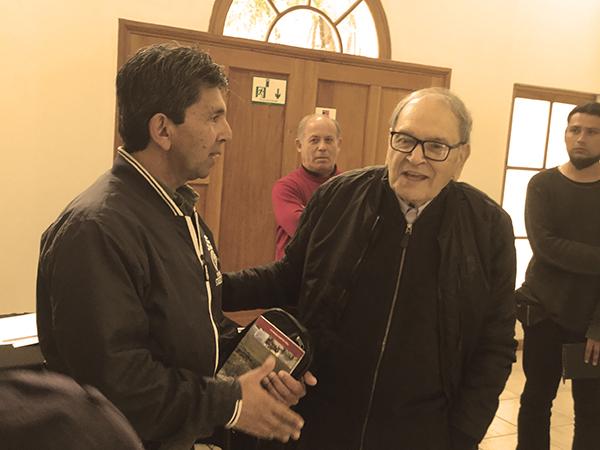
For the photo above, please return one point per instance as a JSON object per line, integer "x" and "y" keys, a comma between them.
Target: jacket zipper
{"x": 404, "y": 245}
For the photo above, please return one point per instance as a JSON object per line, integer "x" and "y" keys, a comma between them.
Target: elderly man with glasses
{"x": 405, "y": 278}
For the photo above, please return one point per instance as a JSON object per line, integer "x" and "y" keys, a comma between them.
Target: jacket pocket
{"x": 529, "y": 310}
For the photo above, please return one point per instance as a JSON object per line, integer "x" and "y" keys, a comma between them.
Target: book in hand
{"x": 275, "y": 332}
{"x": 574, "y": 366}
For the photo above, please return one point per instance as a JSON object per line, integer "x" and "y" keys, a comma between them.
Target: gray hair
{"x": 458, "y": 108}
{"x": 305, "y": 119}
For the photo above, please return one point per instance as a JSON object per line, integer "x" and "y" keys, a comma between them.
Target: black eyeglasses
{"x": 433, "y": 150}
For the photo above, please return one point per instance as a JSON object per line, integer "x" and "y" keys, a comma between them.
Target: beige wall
{"x": 57, "y": 114}
{"x": 59, "y": 62}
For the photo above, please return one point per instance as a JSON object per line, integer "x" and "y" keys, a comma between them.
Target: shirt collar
{"x": 184, "y": 196}
{"x": 405, "y": 206}
{"x": 319, "y": 176}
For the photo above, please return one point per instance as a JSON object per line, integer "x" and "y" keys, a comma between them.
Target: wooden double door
{"x": 235, "y": 200}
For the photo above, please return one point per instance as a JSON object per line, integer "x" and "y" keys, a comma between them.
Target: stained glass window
{"x": 311, "y": 30}
{"x": 249, "y": 23}
{"x": 345, "y": 26}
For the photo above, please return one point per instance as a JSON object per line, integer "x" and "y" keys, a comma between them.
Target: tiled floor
{"x": 502, "y": 434}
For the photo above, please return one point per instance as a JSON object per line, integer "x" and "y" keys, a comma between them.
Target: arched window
{"x": 356, "y": 27}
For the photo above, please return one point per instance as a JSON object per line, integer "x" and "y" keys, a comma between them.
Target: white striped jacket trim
{"x": 195, "y": 235}
{"x": 236, "y": 414}
{"x": 151, "y": 181}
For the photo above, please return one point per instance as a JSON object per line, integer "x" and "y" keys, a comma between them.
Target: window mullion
{"x": 355, "y": 31}
{"x": 272, "y": 3}
{"x": 347, "y": 12}
{"x": 547, "y": 133}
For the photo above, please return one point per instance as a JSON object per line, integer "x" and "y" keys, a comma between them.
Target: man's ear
{"x": 298, "y": 145}
{"x": 159, "y": 129}
{"x": 463, "y": 154}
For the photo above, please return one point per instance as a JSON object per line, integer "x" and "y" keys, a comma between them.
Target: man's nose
{"x": 322, "y": 146}
{"x": 226, "y": 133}
{"x": 417, "y": 156}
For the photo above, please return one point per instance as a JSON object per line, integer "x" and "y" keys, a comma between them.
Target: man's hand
{"x": 592, "y": 351}
{"x": 262, "y": 415}
{"x": 286, "y": 388}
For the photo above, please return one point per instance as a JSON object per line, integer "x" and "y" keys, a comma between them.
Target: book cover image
{"x": 262, "y": 340}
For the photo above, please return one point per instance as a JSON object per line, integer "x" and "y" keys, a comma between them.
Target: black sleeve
{"x": 51, "y": 411}
{"x": 593, "y": 331}
{"x": 486, "y": 371}
{"x": 461, "y": 441}
{"x": 548, "y": 247}
{"x": 268, "y": 286}
{"x": 102, "y": 334}
{"x": 277, "y": 284}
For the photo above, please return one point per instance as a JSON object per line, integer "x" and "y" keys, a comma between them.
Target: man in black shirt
{"x": 562, "y": 284}
{"x": 405, "y": 279}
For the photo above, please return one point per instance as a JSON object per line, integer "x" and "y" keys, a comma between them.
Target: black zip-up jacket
{"x": 123, "y": 304}
{"x": 475, "y": 296}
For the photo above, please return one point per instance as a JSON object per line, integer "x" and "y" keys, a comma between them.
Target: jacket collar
{"x": 151, "y": 181}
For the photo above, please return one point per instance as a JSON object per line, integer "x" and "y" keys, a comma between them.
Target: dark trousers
{"x": 542, "y": 364}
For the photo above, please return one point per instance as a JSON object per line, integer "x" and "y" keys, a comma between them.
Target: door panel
{"x": 389, "y": 99}
{"x": 350, "y": 102}
{"x": 236, "y": 197}
{"x": 254, "y": 158}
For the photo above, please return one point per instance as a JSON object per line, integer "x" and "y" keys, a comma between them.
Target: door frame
{"x": 315, "y": 64}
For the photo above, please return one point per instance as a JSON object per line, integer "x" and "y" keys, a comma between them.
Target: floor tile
{"x": 562, "y": 436}
{"x": 502, "y": 433}
{"x": 500, "y": 427}
{"x": 507, "y": 442}
{"x": 563, "y": 403}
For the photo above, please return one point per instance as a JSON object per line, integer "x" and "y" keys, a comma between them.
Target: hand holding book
{"x": 578, "y": 360}
{"x": 278, "y": 334}
{"x": 275, "y": 332}
{"x": 261, "y": 415}
{"x": 286, "y": 388}
{"x": 592, "y": 351}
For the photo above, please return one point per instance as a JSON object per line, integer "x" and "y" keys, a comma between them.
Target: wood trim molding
{"x": 221, "y": 8}
{"x": 280, "y": 50}
{"x": 382, "y": 27}
{"x": 552, "y": 94}
{"x": 218, "y": 16}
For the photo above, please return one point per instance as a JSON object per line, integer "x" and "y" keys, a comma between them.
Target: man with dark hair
{"x": 129, "y": 284}
{"x": 561, "y": 292}
{"x": 405, "y": 279}
{"x": 318, "y": 141}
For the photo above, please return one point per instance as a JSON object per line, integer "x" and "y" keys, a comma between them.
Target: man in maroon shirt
{"x": 318, "y": 142}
